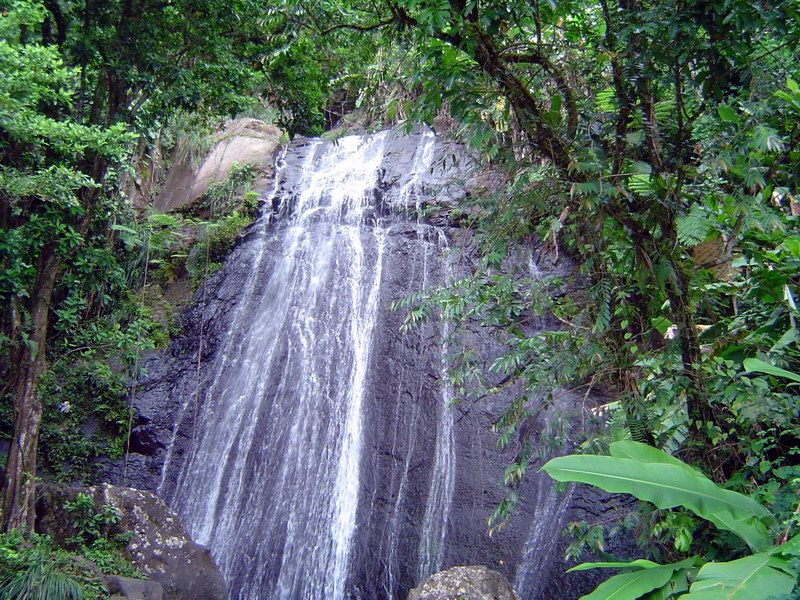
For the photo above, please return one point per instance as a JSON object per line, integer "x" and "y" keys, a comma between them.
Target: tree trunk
{"x": 19, "y": 481}
{"x": 698, "y": 408}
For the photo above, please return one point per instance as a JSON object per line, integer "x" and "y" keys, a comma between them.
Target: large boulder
{"x": 464, "y": 583}
{"x": 133, "y": 589}
{"x": 159, "y": 545}
{"x": 243, "y": 141}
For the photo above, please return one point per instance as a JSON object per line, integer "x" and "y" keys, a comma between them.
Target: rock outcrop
{"x": 243, "y": 141}
{"x": 465, "y": 583}
{"x": 158, "y": 546}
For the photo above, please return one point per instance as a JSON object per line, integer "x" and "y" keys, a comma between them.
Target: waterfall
{"x": 320, "y": 455}
{"x": 437, "y": 509}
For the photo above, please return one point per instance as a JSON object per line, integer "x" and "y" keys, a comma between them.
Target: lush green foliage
{"x": 657, "y": 477}
{"x": 667, "y": 482}
{"x": 91, "y": 525}
{"x": 79, "y": 396}
{"x": 655, "y": 145}
{"x": 98, "y": 537}
{"x": 36, "y": 570}
{"x": 43, "y": 581}
{"x": 81, "y": 98}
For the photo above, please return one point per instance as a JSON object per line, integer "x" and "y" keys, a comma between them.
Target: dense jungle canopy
{"x": 655, "y": 142}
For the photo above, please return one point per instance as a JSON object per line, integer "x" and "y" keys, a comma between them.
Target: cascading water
{"x": 289, "y": 396}
{"x": 440, "y": 496}
{"x": 325, "y": 459}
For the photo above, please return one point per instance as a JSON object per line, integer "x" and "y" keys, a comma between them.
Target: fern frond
{"x": 603, "y": 293}
{"x": 694, "y": 227}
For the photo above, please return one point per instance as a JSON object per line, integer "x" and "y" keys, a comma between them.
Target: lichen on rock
{"x": 464, "y": 583}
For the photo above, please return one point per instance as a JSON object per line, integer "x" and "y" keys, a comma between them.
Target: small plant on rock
{"x": 92, "y": 526}
{"x": 94, "y": 537}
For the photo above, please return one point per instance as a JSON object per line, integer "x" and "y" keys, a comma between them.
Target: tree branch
{"x": 561, "y": 83}
{"x": 372, "y": 27}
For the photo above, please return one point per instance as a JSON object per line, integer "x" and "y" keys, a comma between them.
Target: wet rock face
{"x": 465, "y": 583}
{"x": 159, "y": 546}
{"x": 171, "y": 393}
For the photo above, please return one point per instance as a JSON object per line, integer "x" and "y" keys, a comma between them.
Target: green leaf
{"x": 640, "y": 184}
{"x": 727, "y": 114}
{"x": 749, "y": 530}
{"x": 666, "y": 482}
{"x": 693, "y": 227}
{"x": 767, "y": 139}
{"x": 792, "y": 245}
{"x": 124, "y": 229}
{"x": 661, "y": 324}
{"x": 674, "y": 587}
{"x": 391, "y": 110}
{"x": 741, "y": 261}
{"x": 634, "y": 564}
{"x": 646, "y": 454}
{"x": 630, "y": 586}
{"x": 759, "y": 576}
{"x": 789, "y": 337}
{"x": 789, "y": 549}
{"x": 606, "y": 100}
{"x": 755, "y": 365}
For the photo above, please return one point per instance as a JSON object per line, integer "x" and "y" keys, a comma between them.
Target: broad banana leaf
{"x": 759, "y": 366}
{"x": 674, "y": 588}
{"x": 758, "y": 577}
{"x": 668, "y": 484}
{"x": 646, "y": 454}
{"x": 749, "y": 529}
{"x": 630, "y": 586}
{"x": 640, "y": 563}
{"x": 789, "y": 549}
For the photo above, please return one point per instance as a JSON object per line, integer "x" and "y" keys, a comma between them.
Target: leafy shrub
{"x": 85, "y": 416}
{"x": 41, "y": 580}
{"x": 97, "y": 537}
{"x": 192, "y": 135}
{"x": 91, "y": 525}
{"x": 224, "y": 197}
{"x": 229, "y": 205}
